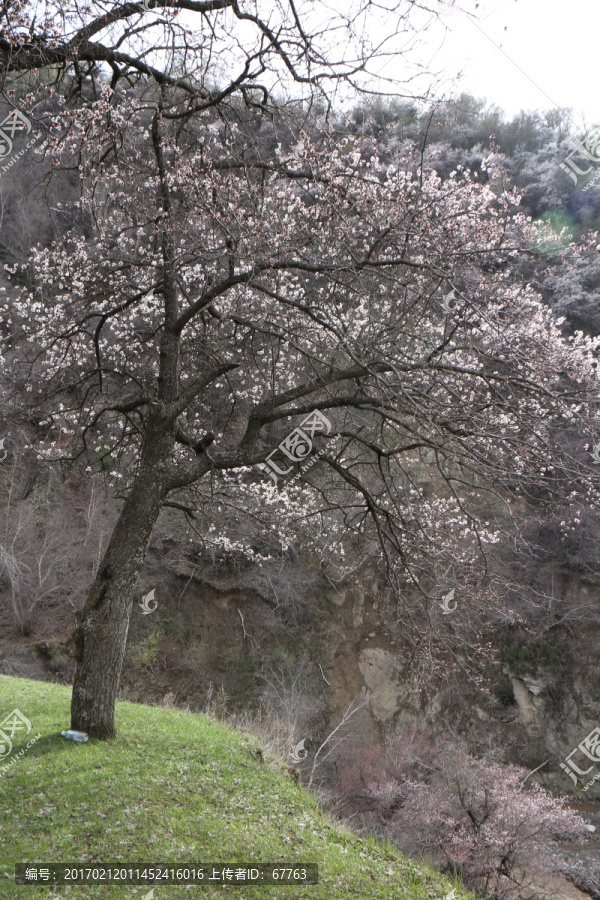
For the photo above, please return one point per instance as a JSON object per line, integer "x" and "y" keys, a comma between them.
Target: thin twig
{"x": 345, "y": 718}
{"x": 531, "y": 773}
{"x": 323, "y": 674}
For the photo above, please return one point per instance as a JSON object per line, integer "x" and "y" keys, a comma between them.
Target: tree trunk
{"x": 101, "y": 636}
{"x": 102, "y": 633}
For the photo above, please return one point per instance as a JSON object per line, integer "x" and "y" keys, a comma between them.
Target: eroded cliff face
{"x": 346, "y": 648}
{"x": 215, "y": 632}
{"x": 529, "y": 712}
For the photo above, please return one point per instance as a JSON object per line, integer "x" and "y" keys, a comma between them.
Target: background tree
{"x": 483, "y": 821}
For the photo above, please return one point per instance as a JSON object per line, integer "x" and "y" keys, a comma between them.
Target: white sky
{"x": 518, "y": 54}
{"x": 554, "y": 43}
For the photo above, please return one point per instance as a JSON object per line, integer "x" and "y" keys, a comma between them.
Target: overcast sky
{"x": 546, "y": 54}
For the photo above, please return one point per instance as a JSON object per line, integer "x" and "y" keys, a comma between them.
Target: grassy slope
{"x": 174, "y": 787}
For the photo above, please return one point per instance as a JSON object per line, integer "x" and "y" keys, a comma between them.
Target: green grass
{"x": 174, "y": 787}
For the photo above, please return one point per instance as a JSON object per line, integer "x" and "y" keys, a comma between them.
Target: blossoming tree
{"x": 222, "y": 286}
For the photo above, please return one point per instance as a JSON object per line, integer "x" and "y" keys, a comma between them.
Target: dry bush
{"x": 275, "y": 734}
{"x": 215, "y": 703}
{"x": 286, "y": 706}
{"x": 52, "y": 535}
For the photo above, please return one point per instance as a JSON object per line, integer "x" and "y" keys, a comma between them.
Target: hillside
{"x": 174, "y": 787}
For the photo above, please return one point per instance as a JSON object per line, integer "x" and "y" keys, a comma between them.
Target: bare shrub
{"x": 276, "y": 734}
{"x": 215, "y": 703}
{"x": 286, "y": 706}
{"x": 52, "y": 536}
{"x": 34, "y": 551}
